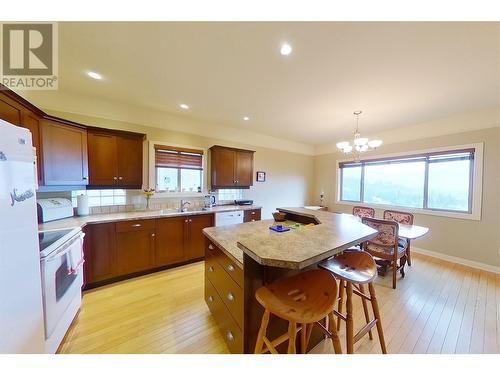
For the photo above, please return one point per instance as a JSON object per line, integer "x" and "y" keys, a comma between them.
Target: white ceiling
{"x": 398, "y": 74}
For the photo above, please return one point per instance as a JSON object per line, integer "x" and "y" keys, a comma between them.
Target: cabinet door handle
{"x": 210, "y": 269}
{"x": 230, "y": 296}
{"x": 120, "y": 178}
{"x": 253, "y": 219}
{"x": 115, "y": 178}
{"x": 136, "y": 225}
{"x": 190, "y": 220}
{"x": 210, "y": 299}
{"x": 229, "y": 336}
{"x": 186, "y": 220}
{"x": 152, "y": 234}
{"x": 253, "y": 212}
{"x": 230, "y": 268}
{"x": 210, "y": 247}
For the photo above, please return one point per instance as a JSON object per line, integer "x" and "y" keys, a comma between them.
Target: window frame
{"x": 152, "y": 170}
{"x": 475, "y": 183}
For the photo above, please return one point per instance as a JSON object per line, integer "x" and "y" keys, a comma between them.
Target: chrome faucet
{"x": 184, "y": 204}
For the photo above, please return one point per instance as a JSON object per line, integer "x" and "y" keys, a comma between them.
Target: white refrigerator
{"x": 21, "y": 311}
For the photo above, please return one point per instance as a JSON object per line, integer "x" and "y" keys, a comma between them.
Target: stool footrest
{"x": 270, "y": 345}
{"x": 363, "y": 331}
{"x": 362, "y": 295}
{"x": 339, "y": 315}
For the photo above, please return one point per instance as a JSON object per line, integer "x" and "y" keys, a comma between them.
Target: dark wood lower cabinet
{"x": 170, "y": 241}
{"x": 127, "y": 248}
{"x": 195, "y": 239}
{"x": 135, "y": 244}
{"x": 100, "y": 252}
{"x": 224, "y": 296}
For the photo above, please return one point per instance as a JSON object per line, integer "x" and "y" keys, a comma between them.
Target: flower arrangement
{"x": 148, "y": 193}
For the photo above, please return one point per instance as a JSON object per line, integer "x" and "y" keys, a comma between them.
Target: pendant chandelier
{"x": 360, "y": 144}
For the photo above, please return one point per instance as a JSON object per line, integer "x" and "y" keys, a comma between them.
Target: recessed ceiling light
{"x": 94, "y": 75}
{"x": 184, "y": 106}
{"x": 286, "y": 49}
{"x": 246, "y": 118}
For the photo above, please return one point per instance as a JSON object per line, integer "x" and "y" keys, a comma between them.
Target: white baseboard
{"x": 453, "y": 259}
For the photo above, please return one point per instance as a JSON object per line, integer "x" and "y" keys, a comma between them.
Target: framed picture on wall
{"x": 261, "y": 176}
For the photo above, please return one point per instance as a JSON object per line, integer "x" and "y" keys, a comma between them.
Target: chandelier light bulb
{"x": 360, "y": 141}
{"x": 375, "y": 143}
{"x": 342, "y": 145}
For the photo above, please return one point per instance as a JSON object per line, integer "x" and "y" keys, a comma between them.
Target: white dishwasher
{"x": 228, "y": 218}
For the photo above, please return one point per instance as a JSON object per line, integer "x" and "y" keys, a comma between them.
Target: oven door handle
{"x": 66, "y": 248}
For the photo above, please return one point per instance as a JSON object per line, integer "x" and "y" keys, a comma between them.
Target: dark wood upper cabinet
{"x": 10, "y": 111}
{"x": 115, "y": 160}
{"x": 103, "y": 158}
{"x": 64, "y": 150}
{"x": 243, "y": 168}
{"x": 130, "y": 161}
{"x": 231, "y": 167}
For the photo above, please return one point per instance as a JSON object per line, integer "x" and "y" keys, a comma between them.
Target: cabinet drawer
{"x": 229, "y": 291}
{"x": 135, "y": 225}
{"x": 233, "y": 270}
{"x": 229, "y": 266}
{"x": 212, "y": 250}
{"x": 232, "y": 334}
{"x": 252, "y": 215}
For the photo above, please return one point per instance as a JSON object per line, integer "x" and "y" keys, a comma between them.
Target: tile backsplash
{"x": 121, "y": 200}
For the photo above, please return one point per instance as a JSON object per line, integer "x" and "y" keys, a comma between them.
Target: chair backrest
{"x": 363, "y": 211}
{"x": 387, "y": 232}
{"x": 399, "y": 216}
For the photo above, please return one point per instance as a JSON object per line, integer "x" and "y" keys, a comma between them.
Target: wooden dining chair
{"x": 385, "y": 245}
{"x": 362, "y": 212}
{"x": 402, "y": 218}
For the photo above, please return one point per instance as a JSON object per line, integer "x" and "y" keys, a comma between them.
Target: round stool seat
{"x": 357, "y": 267}
{"x": 303, "y": 298}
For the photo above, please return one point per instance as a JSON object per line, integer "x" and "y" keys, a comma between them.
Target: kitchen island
{"x": 241, "y": 258}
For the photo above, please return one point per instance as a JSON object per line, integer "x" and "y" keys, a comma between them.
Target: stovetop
{"x": 48, "y": 238}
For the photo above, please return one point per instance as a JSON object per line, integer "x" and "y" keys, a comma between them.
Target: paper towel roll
{"x": 82, "y": 204}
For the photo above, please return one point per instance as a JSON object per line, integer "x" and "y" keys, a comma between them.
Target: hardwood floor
{"x": 439, "y": 307}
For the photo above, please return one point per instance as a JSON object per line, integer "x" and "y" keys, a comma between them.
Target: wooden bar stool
{"x": 303, "y": 299}
{"x": 355, "y": 269}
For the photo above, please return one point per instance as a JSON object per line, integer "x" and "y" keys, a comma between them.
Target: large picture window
{"x": 178, "y": 169}
{"x": 439, "y": 181}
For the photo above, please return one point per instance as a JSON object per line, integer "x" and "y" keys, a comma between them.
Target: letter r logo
{"x": 27, "y": 49}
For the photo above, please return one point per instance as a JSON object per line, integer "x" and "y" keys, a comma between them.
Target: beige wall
{"x": 289, "y": 176}
{"x": 474, "y": 240}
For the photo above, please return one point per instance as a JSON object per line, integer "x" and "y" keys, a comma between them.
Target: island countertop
{"x": 295, "y": 249}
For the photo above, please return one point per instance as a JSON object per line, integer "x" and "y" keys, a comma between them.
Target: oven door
{"x": 60, "y": 286}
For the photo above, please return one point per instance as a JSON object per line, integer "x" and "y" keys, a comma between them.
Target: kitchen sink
{"x": 171, "y": 211}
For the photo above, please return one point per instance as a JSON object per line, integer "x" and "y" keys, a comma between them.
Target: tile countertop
{"x": 81, "y": 221}
{"x": 295, "y": 249}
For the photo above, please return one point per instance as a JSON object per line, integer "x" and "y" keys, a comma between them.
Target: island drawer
{"x": 213, "y": 250}
{"x": 229, "y": 291}
{"x": 233, "y": 270}
{"x": 232, "y": 334}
